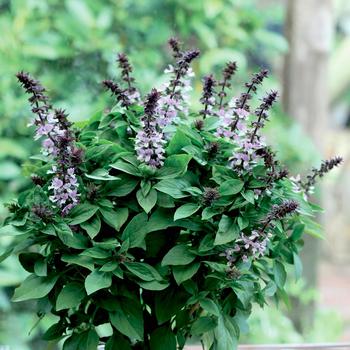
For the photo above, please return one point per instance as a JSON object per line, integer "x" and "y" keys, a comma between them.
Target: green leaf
{"x": 9, "y": 230}
{"x": 126, "y": 168}
{"x": 162, "y": 338}
{"x": 89, "y": 340}
{"x": 298, "y": 266}
{"x": 54, "y": 332}
{"x": 209, "y": 306}
{"x": 231, "y": 187}
{"x": 203, "y": 325}
{"x": 177, "y": 142}
{"x": 185, "y": 211}
{"x": 147, "y": 202}
{"x": 115, "y": 218}
{"x": 123, "y": 187}
{"x": 280, "y": 274}
{"x": 117, "y": 342}
{"x": 128, "y": 319}
{"x": 97, "y": 280}
{"x": 228, "y": 231}
{"x": 174, "y": 166}
{"x": 184, "y": 273}
{"x": 92, "y": 227}
{"x": 178, "y": 255}
{"x": 65, "y": 234}
{"x": 143, "y": 271}
{"x": 34, "y": 287}
{"x": 102, "y": 175}
{"x": 136, "y": 231}
{"x": 173, "y": 187}
{"x": 81, "y": 213}
{"x": 83, "y": 261}
{"x": 226, "y": 333}
{"x": 297, "y": 232}
{"x": 70, "y": 296}
{"x": 248, "y": 196}
{"x": 154, "y": 285}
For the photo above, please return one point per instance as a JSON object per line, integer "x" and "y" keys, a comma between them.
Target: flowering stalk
{"x": 241, "y": 103}
{"x": 58, "y": 144}
{"x": 175, "y": 95}
{"x": 262, "y": 112}
{"x": 255, "y": 244}
{"x": 326, "y": 166}
{"x": 208, "y": 99}
{"x": 149, "y": 143}
{"x": 227, "y": 74}
{"x": 116, "y": 91}
{"x": 126, "y": 70}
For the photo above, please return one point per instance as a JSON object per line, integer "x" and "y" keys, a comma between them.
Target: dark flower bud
{"x": 210, "y": 195}
{"x": 43, "y": 212}
{"x": 213, "y": 149}
{"x": 37, "y": 180}
{"x": 119, "y": 93}
{"x": 233, "y": 273}
{"x": 208, "y": 99}
{"x": 189, "y": 56}
{"x": 280, "y": 211}
{"x": 198, "y": 124}
{"x": 77, "y": 155}
{"x": 175, "y": 44}
{"x": 91, "y": 192}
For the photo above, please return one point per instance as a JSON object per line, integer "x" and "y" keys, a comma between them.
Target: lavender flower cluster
{"x": 149, "y": 142}
{"x": 58, "y": 144}
{"x": 256, "y": 243}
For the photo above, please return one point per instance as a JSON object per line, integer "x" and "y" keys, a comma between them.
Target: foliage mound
{"x": 151, "y": 223}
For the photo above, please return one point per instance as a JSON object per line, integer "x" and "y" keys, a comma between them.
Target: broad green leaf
{"x": 9, "y": 230}
{"x": 115, "y": 217}
{"x": 126, "y": 168}
{"x": 184, "y": 273}
{"x": 147, "y": 202}
{"x": 123, "y": 187}
{"x": 297, "y": 232}
{"x": 117, "y": 342}
{"x": 174, "y": 166}
{"x": 178, "y": 255}
{"x": 136, "y": 231}
{"x": 153, "y": 285}
{"x": 70, "y": 296}
{"x": 298, "y": 266}
{"x": 128, "y": 319}
{"x": 79, "y": 260}
{"x": 97, "y": 280}
{"x": 185, "y": 211}
{"x": 34, "y": 287}
{"x": 173, "y": 187}
{"x": 162, "y": 338}
{"x": 203, "y": 325}
{"x": 81, "y": 213}
{"x": 231, "y": 187}
{"x": 209, "y": 306}
{"x": 248, "y": 196}
{"x": 102, "y": 175}
{"x": 89, "y": 340}
{"x": 143, "y": 271}
{"x": 177, "y": 142}
{"x": 280, "y": 274}
{"x": 65, "y": 234}
{"x": 92, "y": 227}
{"x": 228, "y": 231}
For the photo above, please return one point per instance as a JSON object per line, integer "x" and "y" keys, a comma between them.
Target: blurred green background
{"x": 71, "y": 46}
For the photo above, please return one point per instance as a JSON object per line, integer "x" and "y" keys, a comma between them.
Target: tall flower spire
{"x": 175, "y": 97}
{"x": 208, "y": 95}
{"x": 58, "y": 144}
{"x": 227, "y": 73}
{"x": 149, "y": 143}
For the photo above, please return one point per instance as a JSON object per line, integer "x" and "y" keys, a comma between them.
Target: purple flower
{"x": 149, "y": 142}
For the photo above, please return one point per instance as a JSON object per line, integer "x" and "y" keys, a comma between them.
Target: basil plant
{"x": 151, "y": 223}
